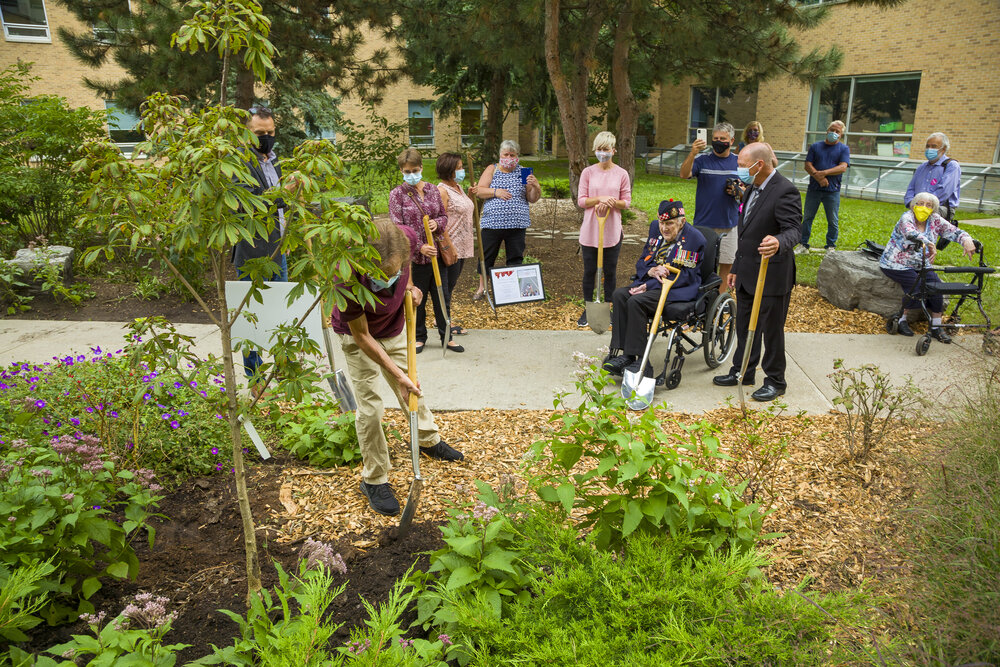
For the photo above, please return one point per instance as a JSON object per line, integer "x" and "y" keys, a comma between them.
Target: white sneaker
{"x": 800, "y": 249}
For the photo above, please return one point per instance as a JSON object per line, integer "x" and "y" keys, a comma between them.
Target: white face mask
{"x": 603, "y": 156}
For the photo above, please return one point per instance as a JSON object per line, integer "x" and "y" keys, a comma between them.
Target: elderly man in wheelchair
{"x": 694, "y": 303}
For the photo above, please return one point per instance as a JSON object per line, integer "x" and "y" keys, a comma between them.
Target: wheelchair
{"x": 970, "y": 291}
{"x": 712, "y": 314}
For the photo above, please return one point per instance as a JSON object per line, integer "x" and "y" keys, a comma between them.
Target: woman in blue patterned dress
{"x": 505, "y": 212}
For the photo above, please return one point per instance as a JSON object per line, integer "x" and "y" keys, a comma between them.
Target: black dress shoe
{"x": 767, "y": 393}
{"x": 443, "y": 451}
{"x": 730, "y": 380}
{"x": 904, "y": 328}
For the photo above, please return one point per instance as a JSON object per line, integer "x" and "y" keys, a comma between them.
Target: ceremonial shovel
{"x": 598, "y": 313}
{"x": 479, "y": 241}
{"x": 440, "y": 290}
{"x": 754, "y": 312}
{"x": 411, "y": 370}
{"x": 637, "y": 389}
{"x": 339, "y": 384}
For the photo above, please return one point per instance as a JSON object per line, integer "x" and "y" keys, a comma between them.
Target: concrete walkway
{"x": 524, "y": 369}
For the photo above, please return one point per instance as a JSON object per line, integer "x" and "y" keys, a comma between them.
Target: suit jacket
{"x": 261, "y": 247}
{"x": 685, "y": 254}
{"x": 777, "y": 212}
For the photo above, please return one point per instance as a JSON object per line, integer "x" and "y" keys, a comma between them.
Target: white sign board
{"x": 274, "y": 312}
{"x": 518, "y": 283}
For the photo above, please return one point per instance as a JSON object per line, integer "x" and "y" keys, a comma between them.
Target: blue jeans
{"x": 831, "y": 205}
{"x": 252, "y": 359}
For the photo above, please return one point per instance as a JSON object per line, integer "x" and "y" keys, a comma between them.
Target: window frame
{"x": 126, "y": 147}
{"x": 46, "y": 39}
{"x": 812, "y": 136}
{"x": 692, "y": 129}
{"x": 101, "y": 33}
{"x": 409, "y": 116}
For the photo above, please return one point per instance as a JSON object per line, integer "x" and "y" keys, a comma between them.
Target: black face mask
{"x": 266, "y": 143}
{"x": 720, "y": 146}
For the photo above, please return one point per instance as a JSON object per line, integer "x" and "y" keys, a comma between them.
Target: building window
{"x": 721, "y": 105}
{"x": 421, "y": 123}
{"x": 24, "y": 21}
{"x": 878, "y": 111}
{"x": 123, "y": 127}
{"x": 112, "y": 21}
{"x": 472, "y": 123}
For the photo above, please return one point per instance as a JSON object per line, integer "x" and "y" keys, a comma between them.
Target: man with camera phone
{"x": 717, "y": 199}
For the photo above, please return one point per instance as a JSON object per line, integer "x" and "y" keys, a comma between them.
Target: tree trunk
{"x": 245, "y": 90}
{"x": 571, "y": 92}
{"x": 628, "y": 108}
{"x": 232, "y": 408}
{"x": 494, "y": 118}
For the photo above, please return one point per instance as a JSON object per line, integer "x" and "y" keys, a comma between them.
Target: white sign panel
{"x": 518, "y": 283}
{"x": 274, "y": 312}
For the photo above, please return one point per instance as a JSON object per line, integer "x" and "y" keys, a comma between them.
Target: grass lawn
{"x": 859, "y": 220}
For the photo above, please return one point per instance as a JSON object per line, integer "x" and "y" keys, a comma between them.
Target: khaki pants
{"x": 368, "y": 418}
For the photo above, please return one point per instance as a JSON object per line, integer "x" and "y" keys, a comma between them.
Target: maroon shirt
{"x": 387, "y": 319}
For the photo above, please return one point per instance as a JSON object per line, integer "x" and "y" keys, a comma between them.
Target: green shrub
{"x": 59, "y": 500}
{"x": 484, "y": 558}
{"x": 317, "y": 432}
{"x": 555, "y": 188}
{"x": 627, "y": 474}
{"x": 654, "y": 604}
{"x": 954, "y": 545}
{"x": 145, "y": 412}
{"x": 291, "y": 627}
{"x": 20, "y": 600}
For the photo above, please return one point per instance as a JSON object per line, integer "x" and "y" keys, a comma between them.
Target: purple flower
{"x": 114, "y": 414}
{"x": 218, "y": 416}
{"x": 40, "y": 404}
{"x": 68, "y": 496}
{"x": 90, "y": 410}
{"x": 195, "y": 384}
{"x": 74, "y": 421}
{"x": 83, "y": 357}
{"x": 203, "y": 393}
{"x": 178, "y": 384}
{"x": 12, "y": 518}
{"x": 146, "y": 397}
{"x": 175, "y": 424}
{"x": 165, "y": 415}
{"x": 445, "y": 639}
{"x": 215, "y": 451}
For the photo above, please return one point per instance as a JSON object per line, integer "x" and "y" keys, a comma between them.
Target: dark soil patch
{"x": 197, "y": 561}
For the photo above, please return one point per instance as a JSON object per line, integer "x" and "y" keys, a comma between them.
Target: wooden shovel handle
{"x": 667, "y": 284}
{"x": 434, "y": 260}
{"x": 411, "y": 347}
{"x": 600, "y": 241}
{"x": 758, "y": 293}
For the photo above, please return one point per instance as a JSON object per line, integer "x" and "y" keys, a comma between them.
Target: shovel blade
{"x": 637, "y": 390}
{"x": 598, "y": 316}
{"x": 344, "y": 392}
{"x": 410, "y": 509}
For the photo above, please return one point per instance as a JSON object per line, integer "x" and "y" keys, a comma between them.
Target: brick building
{"x": 924, "y": 66}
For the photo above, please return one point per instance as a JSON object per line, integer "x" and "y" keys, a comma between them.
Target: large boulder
{"x": 849, "y": 280}
{"x": 29, "y": 260}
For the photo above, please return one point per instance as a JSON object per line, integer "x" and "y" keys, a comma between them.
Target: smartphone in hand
{"x": 702, "y": 133}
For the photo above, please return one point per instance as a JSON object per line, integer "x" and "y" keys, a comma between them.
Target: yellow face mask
{"x": 921, "y": 213}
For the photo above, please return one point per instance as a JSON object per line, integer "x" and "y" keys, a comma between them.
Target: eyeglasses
{"x": 253, "y": 111}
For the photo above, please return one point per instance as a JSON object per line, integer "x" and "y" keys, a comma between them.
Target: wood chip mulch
{"x": 808, "y": 312}
{"x": 837, "y": 517}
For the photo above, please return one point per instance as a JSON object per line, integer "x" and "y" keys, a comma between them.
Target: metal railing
{"x": 873, "y": 178}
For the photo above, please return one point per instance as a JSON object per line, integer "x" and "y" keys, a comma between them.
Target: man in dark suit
{"x": 266, "y": 171}
{"x": 770, "y": 225}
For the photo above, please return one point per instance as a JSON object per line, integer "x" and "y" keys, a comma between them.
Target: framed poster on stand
{"x": 519, "y": 283}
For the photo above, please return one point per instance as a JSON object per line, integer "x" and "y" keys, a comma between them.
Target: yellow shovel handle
{"x": 758, "y": 293}
{"x": 667, "y": 284}
{"x": 434, "y": 260}
{"x": 411, "y": 346}
{"x": 600, "y": 241}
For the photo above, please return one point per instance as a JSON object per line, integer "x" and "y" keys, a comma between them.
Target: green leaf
{"x": 467, "y": 545}
{"x": 90, "y": 586}
{"x": 566, "y": 494}
{"x": 118, "y": 570}
{"x": 500, "y": 559}
{"x": 463, "y": 576}
{"x": 633, "y": 516}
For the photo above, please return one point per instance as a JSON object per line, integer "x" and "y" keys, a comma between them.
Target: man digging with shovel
{"x": 373, "y": 342}
{"x": 672, "y": 242}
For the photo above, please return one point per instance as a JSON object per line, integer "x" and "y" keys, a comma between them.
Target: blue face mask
{"x": 459, "y": 175}
{"x": 413, "y": 179}
{"x": 832, "y": 137}
{"x": 744, "y": 174}
{"x": 931, "y": 153}
{"x": 380, "y": 285}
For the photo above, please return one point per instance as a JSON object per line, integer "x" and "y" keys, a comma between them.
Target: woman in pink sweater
{"x": 604, "y": 189}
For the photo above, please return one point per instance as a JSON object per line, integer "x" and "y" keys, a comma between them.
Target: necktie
{"x": 750, "y": 203}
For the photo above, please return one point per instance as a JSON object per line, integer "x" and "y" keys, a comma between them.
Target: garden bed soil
{"x": 198, "y": 562}
{"x": 553, "y": 244}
